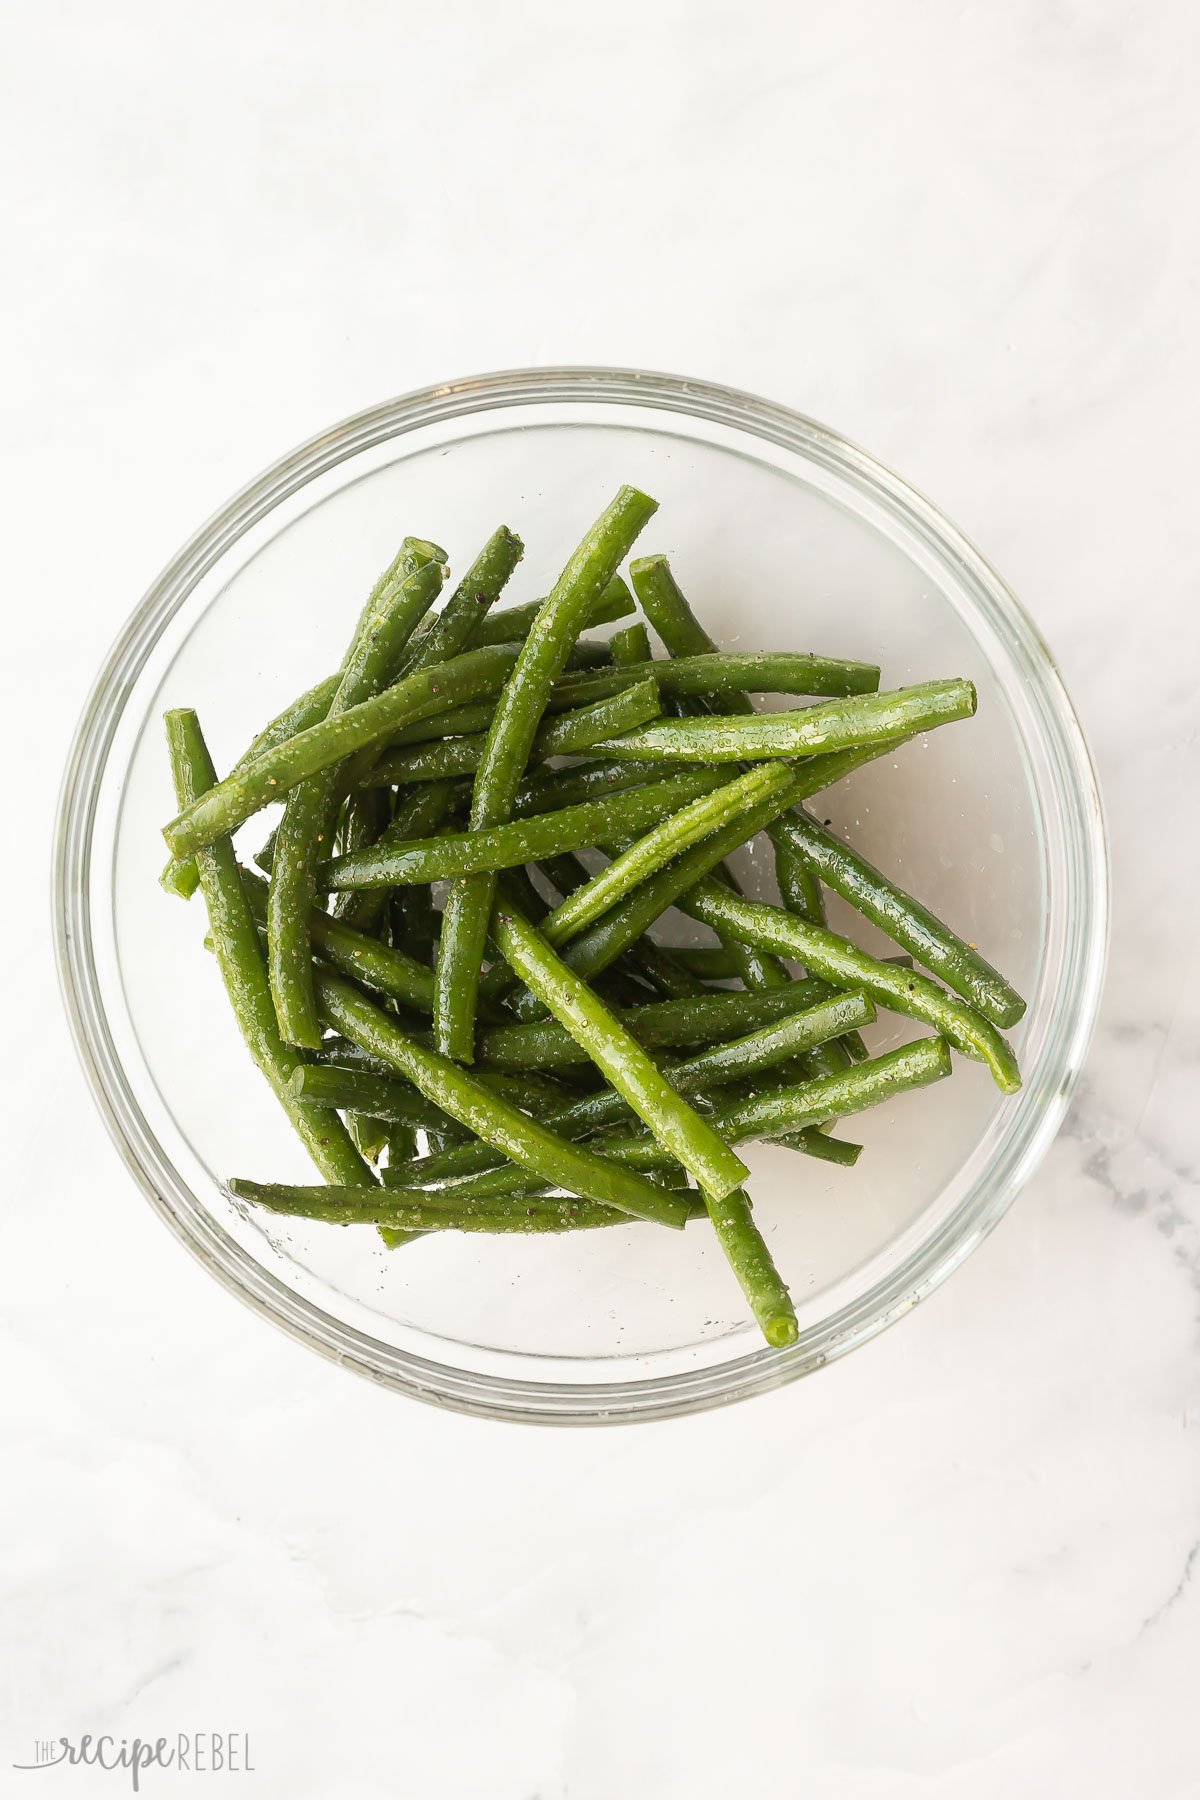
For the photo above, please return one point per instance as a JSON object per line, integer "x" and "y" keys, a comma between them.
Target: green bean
{"x": 676, "y": 1125}
{"x": 624, "y": 984}
{"x": 438, "y": 1140}
{"x": 552, "y": 788}
{"x": 413, "y": 925}
{"x": 491, "y": 1118}
{"x": 688, "y": 642}
{"x": 265, "y": 856}
{"x": 813, "y": 1142}
{"x": 270, "y": 775}
{"x": 402, "y": 598}
{"x": 788, "y": 1111}
{"x": 904, "y": 919}
{"x": 581, "y": 686}
{"x": 595, "y": 653}
{"x": 761, "y": 971}
{"x": 397, "y": 603}
{"x": 463, "y": 1167}
{"x": 360, "y": 1090}
{"x": 667, "y": 609}
{"x": 656, "y": 974}
{"x": 357, "y": 954}
{"x": 832, "y": 725}
{"x": 630, "y": 646}
{"x": 544, "y": 1044}
{"x": 734, "y": 1061}
{"x": 516, "y": 885}
{"x": 784, "y": 1110}
{"x": 778, "y": 1039}
{"x": 589, "y": 1114}
{"x": 822, "y": 1059}
{"x": 757, "y": 972}
{"x": 563, "y": 735}
{"x": 565, "y": 873}
{"x": 672, "y": 1180}
{"x": 486, "y": 574}
{"x": 460, "y": 622}
{"x": 367, "y": 819}
{"x": 429, "y": 759}
{"x": 308, "y": 708}
{"x": 672, "y": 979}
{"x": 643, "y": 1088}
{"x": 799, "y": 888}
{"x": 402, "y": 1145}
{"x": 753, "y": 1266}
{"x": 417, "y": 816}
{"x": 604, "y": 941}
{"x": 509, "y": 1183}
{"x": 505, "y": 1181}
{"x": 709, "y": 962}
{"x": 339, "y": 1053}
{"x": 835, "y": 959}
{"x": 826, "y": 1059}
{"x": 781, "y": 1110}
{"x": 455, "y": 722}
{"x": 686, "y": 639}
{"x": 532, "y": 1093}
{"x": 380, "y": 1207}
{"x": 401, "y": 1150}
{"x": 243, "y": 971}
{"x": 514, "y": 623}
{"x": 368, "y": 1135}
{"x": 723, "y": 673}
{"x": 181, "y": 875}
{"x": 670, "y": 837}
{"x": 521, "y": 841}
{"x": 581, "y": 727}
{"x": 335, "y": 834}
{"x": 622, "y": 987}
{"x": 368, "y": 814}
{"x": 506, "y": 750}
{"x": 757, "y": 968}
{"x": 366, "y": 1087}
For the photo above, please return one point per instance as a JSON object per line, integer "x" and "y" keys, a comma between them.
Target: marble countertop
{"x": 965, "y": 1561}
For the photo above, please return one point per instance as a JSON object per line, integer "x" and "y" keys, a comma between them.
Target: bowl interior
{"x": 777, "y": 548}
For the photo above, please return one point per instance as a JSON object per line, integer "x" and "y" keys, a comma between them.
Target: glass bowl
{"x": 785, "y": 537}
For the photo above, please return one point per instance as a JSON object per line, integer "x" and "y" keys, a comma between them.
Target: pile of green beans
{"x": 451, "y": 977}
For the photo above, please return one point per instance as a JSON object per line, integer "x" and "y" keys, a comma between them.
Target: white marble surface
{"x": 965, "y": 1562}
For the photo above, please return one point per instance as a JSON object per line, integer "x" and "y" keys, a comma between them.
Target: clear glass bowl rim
{"x": 902, "y": 1287}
